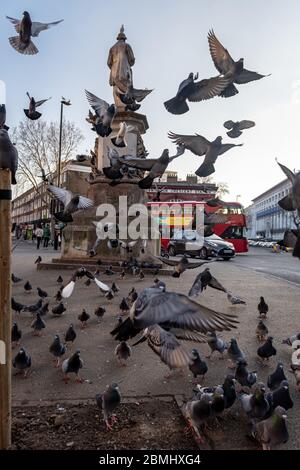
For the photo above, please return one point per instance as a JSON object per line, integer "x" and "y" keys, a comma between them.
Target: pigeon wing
{"x": 288, "y": 173}
{"x": 140, "y": 95}
{"x": 84, "y": 203}
{"x": 39, "y": 103}
{"x": 169, "y": 348}
{"x": 167, "y": 261}
{"x": 220, "y": 56}
{"x": 246, "y": 124}
{"x": 195, "y": 143}
{"x": 37, "y": 27}
{"x": 179, "y": 311}
{"x": 225, "y": 147}
{"x": 206, "y": 89}
{"x": 15, "y": 22}
{"x": 101, "y": 285}
{"x": 140, "y": 163}
{"x": 215, "y": 284}
{"x": 63, "y": 195}
{"x": 99, "y": 105}
{"x": 188, "y": 335}
{"x": 248, "y": 76}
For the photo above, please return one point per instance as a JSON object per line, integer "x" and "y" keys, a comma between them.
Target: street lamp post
{"x": 62, "y": 103}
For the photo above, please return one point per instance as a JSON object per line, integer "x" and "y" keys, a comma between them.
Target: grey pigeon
{"x": 72, "y": 365}
{"x": 31, "y": 112}
{"x": 275, "y": 379}
{"x": 16, "y": 306}
{"x": 108, "y": 402}
{"x": 38, "y": 325}
{"x": 42, "y": 293}
{"x": 160, "y": 284}
{"x": 237, "y": 127}
{"x": 234, "y": 300}
{"x": 289, "y": 341}
{"x": 181, "y": 265}
{"x": 104, "y": 117}
{"x": 245, "y": 378}
{"x": 291, "y": 202}
{"x": 122, "y": 352}
{"x": 15, "y": 279}
{"x": 216, "y": 344}
{"x": 27, "y": 29}
{"x": 8, "y": 155}
{"x": 262, "y": 308}
{"x": 27, "y": 286}
{"x": 234, "y": 352}
{"x": 72, "y": 203}
{"x": 172, "y": 310}
{"x": 197, "y": 413}
{"x": 280, "y": 397}
{"x": 59, "y": 309}
{"x": 204, "y": 279}
{"x": 255, "y": 405}
{"x": 272, "y": 431}
{"x": 99, "y": 312}
{"x": 57, "y": 349}
{"x": 22, "y": 362}
{"x": 199, "y": 145}
{"x": 34, "y": 307}
{"x": 192, "y": 90}
{"x": 225, "y": 64}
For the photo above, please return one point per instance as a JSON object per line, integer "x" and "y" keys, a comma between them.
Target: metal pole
{"x": 60, "y": 140}
{"x": 5, "y": 309}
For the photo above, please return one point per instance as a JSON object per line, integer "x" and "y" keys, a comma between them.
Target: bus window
{"x": 233, "y": 232}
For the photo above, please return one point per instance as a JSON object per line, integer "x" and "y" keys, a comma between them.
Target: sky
{"x": 169, "y": 40}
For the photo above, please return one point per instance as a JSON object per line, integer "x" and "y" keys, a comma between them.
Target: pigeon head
{"x": 25, "y": 13}
{"x": 113, "y": 386}
{"x": 280, "y": 412}
{"x": 195, "y": 353}
{"x": 218, "y": 140}
{"x": 191, "y": 76}
{"x": 270, "y": 339}
{"x": 76, "y": 199}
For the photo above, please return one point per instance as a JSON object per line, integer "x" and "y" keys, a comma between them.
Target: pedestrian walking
{"x": 39, "y": 234}
{"x": 46, "y": 235}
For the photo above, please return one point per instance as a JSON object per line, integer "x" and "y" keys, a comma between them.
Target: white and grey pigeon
{"x": 234, "y": 299}
{"x": 105, "y": 114}
{"x": 120, "y": 139}
{"x": 72, "y": 203}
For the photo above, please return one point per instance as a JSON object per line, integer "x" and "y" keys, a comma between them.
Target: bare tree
{"x": 38, "y": 147}
{"x": 223, "y": 189}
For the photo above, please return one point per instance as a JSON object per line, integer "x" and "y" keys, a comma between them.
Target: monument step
{"x": 159, "y": 271}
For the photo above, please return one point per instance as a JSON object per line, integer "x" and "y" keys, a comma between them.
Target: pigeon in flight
{"x": 155, "y": 166}
{"x": 72, "y": 203}
{"x": 27, "y": 29}
{"x": 200, "y": 146}
{"x": 8, "y": 154}
{"x": 108, "y": 402}
{"x": 236, "y": 128}
{"x": 105, "y": 114}
{"x": 192, "y": 90}
{"x": 120, "y": 139}
{"x": 182, "y": 265}
{"x": 204, "y": 279}
{"x": 225, "y": 65}
{"x": 31, "y": 112}
{"x": 171, "y": 309}
{"x": 291, "y": 202}
{"x": 133, "y": 95}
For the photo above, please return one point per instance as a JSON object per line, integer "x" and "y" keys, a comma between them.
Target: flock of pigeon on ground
{"x": 165, "y": 317}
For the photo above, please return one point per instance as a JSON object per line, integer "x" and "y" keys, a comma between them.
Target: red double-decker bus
{"x": 231, "y": 230}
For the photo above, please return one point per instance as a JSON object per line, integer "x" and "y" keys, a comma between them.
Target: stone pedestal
{"x": 80, "y": 236}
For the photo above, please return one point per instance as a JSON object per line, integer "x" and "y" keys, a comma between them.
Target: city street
{"x": 247, "y": 276}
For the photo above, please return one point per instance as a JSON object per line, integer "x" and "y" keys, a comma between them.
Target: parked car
{"x": 191, "y": 243}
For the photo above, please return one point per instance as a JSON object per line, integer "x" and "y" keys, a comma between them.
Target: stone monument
{"x": 79, "y": 238}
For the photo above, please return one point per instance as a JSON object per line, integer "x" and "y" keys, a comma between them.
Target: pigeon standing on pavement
{"x": 123, "y": 352}
{"x": 216, "y": 344}
{"x": 267, "y": 350}
{"x": 273, "y": 430}
{"x": 15, "y": 279}
{"x": 261, "y": 331}
{"x": 235, "y": 353}
{"x": 280, "y": 397}
{"x": 198, "y": 366}
{"x": 236, "y": 128}
{"x": 59, "y": 280}
{"x": 31, "y": 112}
{"x": 72, "y": 203}
{"x": 245, "y": 378}
{"x": 132, "y": 96}
{"x": 22, "y": 362}
{"x": 27, "y": 29}
{"x": 59, "y": 309}
{"x": 99, "y": 312}
{"x": 44, "y": 309}
{"x": 16, "y": 306}
{"x": 234, "y": 300}
{"x": 108, "y": 402}
{"x": 72, "y": 365}
{"x": 16, "y": 334}
{"x": 38, "y": 325}
{"x": 225, "y": 65}
{"x": 192, "y": 90}
{"x": 8, "y": 154}
{"x": 124, "y": 307}
{"x": 229, "y": 391}
{"x": 83, "y": 318}
{"x": 275, "y": 379}
{"x": 262, "y": 308}
{"x": 42, "y": 293}
{"x": 199, "y": 145}
{"x": 70, "y": 334}
{"x": 57, "y": 349}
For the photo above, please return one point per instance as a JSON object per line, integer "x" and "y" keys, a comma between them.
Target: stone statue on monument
{"x": 120, "y": 60}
